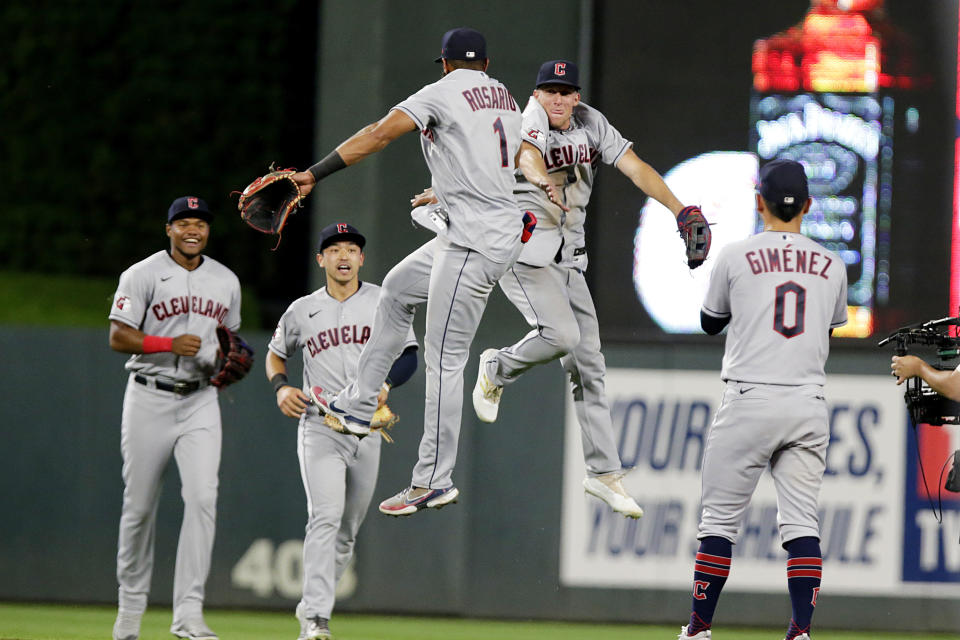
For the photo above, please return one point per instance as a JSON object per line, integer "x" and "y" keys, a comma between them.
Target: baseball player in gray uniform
{"x": 782, "y": 294}
{"x": 165, "y": 312}
{"x": 568, "y": 139}
{"x": 470, "y": 126}
{"x": 329, "y": 328}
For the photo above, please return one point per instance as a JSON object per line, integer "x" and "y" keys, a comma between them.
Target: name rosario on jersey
{"x": 350, "y": 334}
{"x": 569, "y": 154}
{"x": 489, "y": 98}
{"x": 190, "y": 304}
{"x": 787, "y": 260}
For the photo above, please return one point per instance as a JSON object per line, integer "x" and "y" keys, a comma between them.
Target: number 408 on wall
{"x": 265, "y": 569}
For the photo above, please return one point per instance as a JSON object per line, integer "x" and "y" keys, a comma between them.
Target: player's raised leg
{"x": 587, "y": 369}
{"x": 461, "y": 283}
{"x": 404, "y": 287}
{"x": 541, "y": 296}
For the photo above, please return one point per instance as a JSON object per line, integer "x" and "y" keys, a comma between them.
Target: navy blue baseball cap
{"x": 463, "y": 44}
{"x": 784, "y": 183}
{"x": 559, "y": 72}
{"x": 189, "y": 207}
{"x": 340, "y": 231}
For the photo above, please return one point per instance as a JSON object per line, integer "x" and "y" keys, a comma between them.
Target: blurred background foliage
{"x": 113, "y": 109}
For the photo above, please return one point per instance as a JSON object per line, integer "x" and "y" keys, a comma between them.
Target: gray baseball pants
{"x": 758, "y": 425}
{"x": 155, "y": 425}
{"x": 339, "y": 473}
{"x": 455, "y": 282}
{"x": 556, "y": 302}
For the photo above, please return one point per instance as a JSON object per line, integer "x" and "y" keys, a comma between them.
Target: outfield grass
{"x": 71, "y": 622}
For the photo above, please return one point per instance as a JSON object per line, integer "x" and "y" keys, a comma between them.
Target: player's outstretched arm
{"x": 126, "y": 339}
{"x": 530, "y": 162}
{"x": 372, "y": 138}
{"x": 649, "y": 181}
{"x": 291, "y": 401}
{"x": 946, "y": 383}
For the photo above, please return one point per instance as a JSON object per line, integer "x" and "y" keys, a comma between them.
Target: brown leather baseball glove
{"x": 266, "y": 202}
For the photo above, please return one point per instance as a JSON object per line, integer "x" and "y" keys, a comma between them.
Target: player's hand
{"x": 424, "y": 197}
{"x": 186, "y": 345}
{"x": 553, "y": 193}
{"x": 292, "y": 401}
{"x": 905, "y": 367}
{"x": 382, "y": 396}
{"x": 305, "y": 181}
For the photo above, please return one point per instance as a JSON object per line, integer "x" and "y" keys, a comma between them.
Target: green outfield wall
{"x": 494, "y": 554}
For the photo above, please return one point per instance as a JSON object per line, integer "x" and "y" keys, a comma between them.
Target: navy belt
{"x": 179, "y": 387}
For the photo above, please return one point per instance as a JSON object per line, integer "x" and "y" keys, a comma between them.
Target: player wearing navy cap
{"x": 567, "y": 138}
{"x": 781, "y": 294}
{"x": 329, "y": 328}
{"x": 470, "y": 135}
{"x": 165, "y": 312}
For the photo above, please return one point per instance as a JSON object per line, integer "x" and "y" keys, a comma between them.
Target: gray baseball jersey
{"x": 553, "y": 296}
{"x": 470, "y": 127}
{"x": 795, "y": 291}
{"x": 339, "y": 471}
{"x": 471, "y": 134}
{"x": 572, "y": 157}
{"x": 331, "y": 335}
{"x": 782, "y": 292}
{"x": 160, "y": 297}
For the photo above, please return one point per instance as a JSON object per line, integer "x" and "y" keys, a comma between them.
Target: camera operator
{"x": 946, "y": 383}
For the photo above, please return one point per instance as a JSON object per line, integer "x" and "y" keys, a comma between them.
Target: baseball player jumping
{"x": 568, "y": 139}
{"x": 470, "y": 134}
{"x": 329, "y": 328}
{"x": 782, "y": 294}
{"x": 165, "y": 312}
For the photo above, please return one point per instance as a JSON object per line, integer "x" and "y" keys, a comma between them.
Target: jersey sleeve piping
{"x": 277, "y": 352}
{"x": 715, "y": 314}
{"x": 412, "y": 115}
{"x": 626, "y": 146}
{"x": 124, "y": 321}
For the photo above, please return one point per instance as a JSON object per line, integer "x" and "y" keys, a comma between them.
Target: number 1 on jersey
{"x": 504, "y": 158}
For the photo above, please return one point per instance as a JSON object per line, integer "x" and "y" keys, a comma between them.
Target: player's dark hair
{"x": 785, "y": 212}
{"x": 476, "y": 65}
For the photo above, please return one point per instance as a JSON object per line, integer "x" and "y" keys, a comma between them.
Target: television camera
{"x": 925, "y": 405}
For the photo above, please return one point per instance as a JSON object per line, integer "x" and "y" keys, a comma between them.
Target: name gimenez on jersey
{"x": 788, "y": 260}
{"x": 487, "y": 97}
{"x": 350, "y": 334}
{"x": 190, "y": 304}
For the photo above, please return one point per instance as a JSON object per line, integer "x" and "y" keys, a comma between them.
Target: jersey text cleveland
{"x": 190, "y": 304}
{"x": 788, "y": 260}
{"x": 336, "y": 336}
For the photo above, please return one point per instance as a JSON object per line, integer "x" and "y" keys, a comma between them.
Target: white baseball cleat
{"x": 609, "y": 488}
{"x": 703, "y": 635}
{"x": 194, "y": 629}
{"x": 318, "y": 629}
{"x": 802, "y": 636}
{"x": 127, "y": 626}
{"x": 486, "y": 395}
